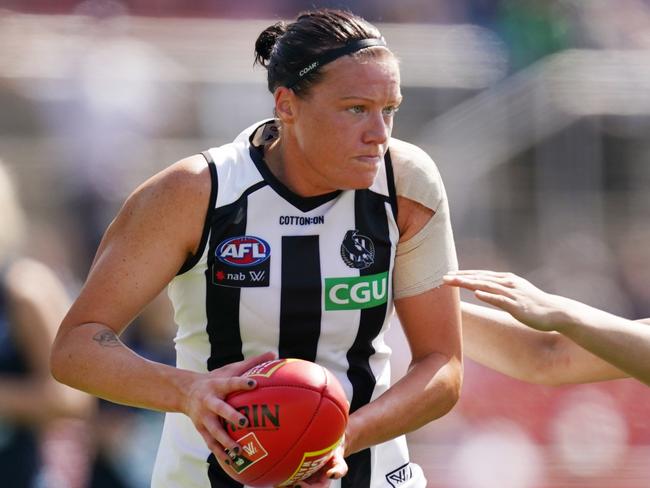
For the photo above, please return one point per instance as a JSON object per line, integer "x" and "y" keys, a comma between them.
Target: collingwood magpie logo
{"x": 357, "y": 250}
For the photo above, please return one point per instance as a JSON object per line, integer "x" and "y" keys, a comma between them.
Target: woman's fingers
{"x": 338, "y": 468}
{"x": 211, "y": 412}
{"x": 240, "y": 367}
{"x": 214, "y": 427}
{"x": 210, "y": 441}
{"x": 223, "y": 409}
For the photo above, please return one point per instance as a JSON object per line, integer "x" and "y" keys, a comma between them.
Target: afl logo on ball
{"x": 357, "y": 250}
{"x": 244, "y": 251}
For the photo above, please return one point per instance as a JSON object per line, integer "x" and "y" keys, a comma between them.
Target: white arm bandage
{"x": 423, "y": 260}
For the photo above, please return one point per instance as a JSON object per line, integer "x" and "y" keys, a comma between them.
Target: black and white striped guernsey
{"x": 306, "y": 277}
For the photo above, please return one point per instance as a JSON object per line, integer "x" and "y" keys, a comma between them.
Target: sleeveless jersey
{"x": 306, "y": 277}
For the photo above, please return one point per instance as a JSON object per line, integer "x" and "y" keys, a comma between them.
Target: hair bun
{"x": 266, "y": 40}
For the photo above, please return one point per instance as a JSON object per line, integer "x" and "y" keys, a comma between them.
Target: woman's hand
{"x": 334, "y": 469}
{"x": 206, "y": 405}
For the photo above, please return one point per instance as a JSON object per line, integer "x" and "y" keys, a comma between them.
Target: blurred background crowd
{"x": 537, "y": 113}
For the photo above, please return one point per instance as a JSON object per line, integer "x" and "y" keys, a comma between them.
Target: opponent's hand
{"x": 509, "y": 292}
{"x": 206, "y": 406}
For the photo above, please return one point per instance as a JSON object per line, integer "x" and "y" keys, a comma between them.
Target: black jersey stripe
{"x": 390, "y": 179}
{"x": 370, "y": 221}
{"x": 359, "y": 469}
{"x": 369, "y": 208}
{"x": 218, "y": 477}
{"x": 222, "y": 307}
{"x": 222, "y": 302}
{"x": 300, "y": 299}
{"x": 192, "y": 260}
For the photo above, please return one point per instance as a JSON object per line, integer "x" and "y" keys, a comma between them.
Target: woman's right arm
{"x": 158, "y": 227}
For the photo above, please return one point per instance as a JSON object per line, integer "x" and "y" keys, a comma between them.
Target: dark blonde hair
{"x": 284, "y": 49}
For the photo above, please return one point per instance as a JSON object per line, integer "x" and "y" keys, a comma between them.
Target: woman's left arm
{"x": 431, "y": 322}
{"x": 432, "y": 384}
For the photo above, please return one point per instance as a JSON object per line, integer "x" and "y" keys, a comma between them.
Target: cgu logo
{"x": 243, "y": 251}
{"x": 353, "y": 293}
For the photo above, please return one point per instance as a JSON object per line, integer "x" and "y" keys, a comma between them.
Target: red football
{"x": 297, "y": 417}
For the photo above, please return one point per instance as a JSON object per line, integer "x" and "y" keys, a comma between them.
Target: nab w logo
{"x": 257, "y": 275}
{"x": 250, "y": 448}
{"x": 400, "y": 476}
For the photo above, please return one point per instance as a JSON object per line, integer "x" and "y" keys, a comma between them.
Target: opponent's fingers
{"x": 459, "y": 281}
{"x": 465, "y": 281}
{"x": 503, "y": 302}
{"x": 506, "y": 279}
{"x": 488, "y": 285}
{"x": 485, "y": 272}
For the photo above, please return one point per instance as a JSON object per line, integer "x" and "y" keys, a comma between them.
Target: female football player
{"x": 295, "y": 240}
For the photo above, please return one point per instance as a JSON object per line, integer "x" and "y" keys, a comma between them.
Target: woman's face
{"x": 341, "y": 128}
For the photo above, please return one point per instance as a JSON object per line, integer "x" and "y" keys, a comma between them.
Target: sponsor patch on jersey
{"x": 357, "y": 250}
{"x": 356, "y": 292}
{"x": 242, "y": 261}
{"x": 399, "y": 476}
{"x": 251, "y": 452}
{"x": 301, "y": 220}
{"x": 244, "y": 251}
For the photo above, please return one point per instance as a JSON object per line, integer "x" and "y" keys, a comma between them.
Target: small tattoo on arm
{"x": 106, "y": 338}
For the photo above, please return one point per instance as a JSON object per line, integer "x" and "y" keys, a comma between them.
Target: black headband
{"x": 329, "y": 56}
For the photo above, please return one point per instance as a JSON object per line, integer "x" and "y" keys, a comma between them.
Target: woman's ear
{"x": 285, "y": 104}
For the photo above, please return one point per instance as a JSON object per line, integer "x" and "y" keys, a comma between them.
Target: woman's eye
{"x": 390, "y": 110}
{"x": 357, "y": 109}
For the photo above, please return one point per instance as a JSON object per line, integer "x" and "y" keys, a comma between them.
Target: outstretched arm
{"x": 500, "y": 342}
{"x": 592, "y": 345}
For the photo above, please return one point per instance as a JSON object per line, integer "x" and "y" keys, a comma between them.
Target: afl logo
{"x": 243, "y": 251}
{"x": 357, "y": 250}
